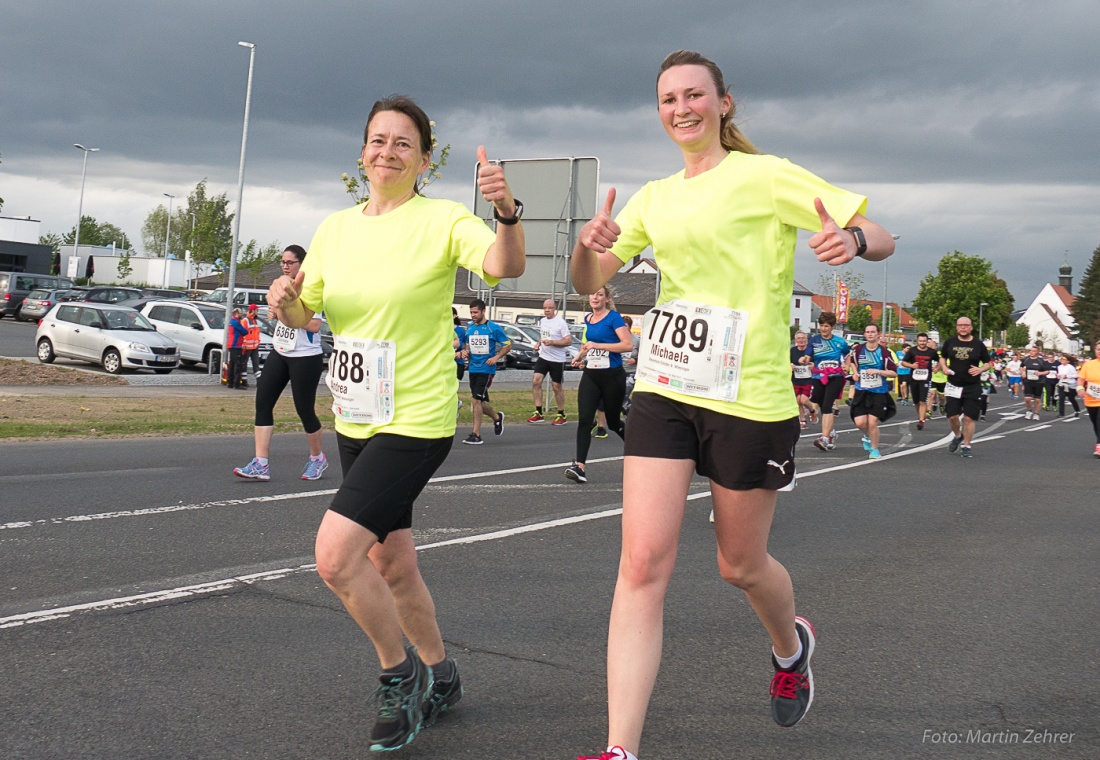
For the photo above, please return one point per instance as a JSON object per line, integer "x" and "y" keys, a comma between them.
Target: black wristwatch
{"x": 861, "y": 240}
{"x": 516, "y": 216}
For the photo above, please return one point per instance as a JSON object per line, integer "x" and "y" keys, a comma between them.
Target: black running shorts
{"x": 1033, "y": 388}
{"x": 735, "y": 453}
{"x": 878, "y": 405}
{"x": 826, "y": 394}
{"x": 970, "y": 404}
{"x": 556, "y": 370}
{"x": 479, "y": 385}
{"x": 383, "y": 476}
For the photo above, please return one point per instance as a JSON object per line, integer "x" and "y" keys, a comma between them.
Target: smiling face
{"x": 800, "y": 341}
{"x": 598, "y": 300}
{"x": 691, "y": 107}
{"x": 393, "y": 157}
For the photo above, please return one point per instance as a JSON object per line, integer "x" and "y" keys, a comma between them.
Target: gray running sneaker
{"x": 792, "y": 691}
{"x": 444, "y": 693}
{"x": 400, "y": 706}
{"x": 954, "y": 445}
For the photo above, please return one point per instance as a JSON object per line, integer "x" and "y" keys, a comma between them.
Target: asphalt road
{"x": 154, "y": 606}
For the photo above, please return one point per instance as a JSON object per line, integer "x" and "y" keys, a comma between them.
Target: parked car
{"x": 164, "y": 293}
{"x": 243, "y": 297}
{"x": 15, "y": 286}
{"x": 197, "y": 327}
{"x": 522, "y": 354}
{"x": 115, "y": 337}
{"x": 38, "y": 303}
{"x": 103, "y": 294}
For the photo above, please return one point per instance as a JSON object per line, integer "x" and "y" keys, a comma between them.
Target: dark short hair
{"x": 297, "y": 250}
{"x": 827, "y": 318}
{"x": 477, "y": 303}
{"x": 922, "y": 335}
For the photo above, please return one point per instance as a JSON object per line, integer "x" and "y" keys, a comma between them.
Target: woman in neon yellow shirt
{"x": 384, "y": 272}
{"x": 713, "y": 374}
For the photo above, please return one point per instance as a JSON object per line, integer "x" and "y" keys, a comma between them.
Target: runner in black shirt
{"x": 964, "y": 358}
{"x": 1034, "y": 368}
{"x": 921, "y": 359}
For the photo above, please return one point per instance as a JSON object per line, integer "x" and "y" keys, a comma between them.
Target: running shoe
{"x": 1076, "y": 415}
{"x": 536, "y": 418}
{"x": 866, "y": 443}
{"x": 981, "y": 418}
{"x": 559, "y": 420}
{"x": 576, "y": 473}
{"x": 601, "y": 432}
{"x": 920, "y": 424}
{"x": 314, "y": 468}
{"x": 813, "y": 418}
{"x": 821, "y": 443}
{"x": 830, "y": 443}
{"x": 1096, "y": 451}
{"x": 473, "y": 439}
{"x": 613, "y": 753}
{"x": 792, "y": 691}
{"x": 802, "y": 424}
{"x": 444, "y": 693}
{"x": 498, "y": 424}
{"x": 966, "y": 453}
{"x": 253, "y": 471}
{"x": 400, "y": 706}
{"x": 954, "y": 445}
{"x": 873, "y": 454}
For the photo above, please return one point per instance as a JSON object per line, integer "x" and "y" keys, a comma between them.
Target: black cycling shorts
{"x": 826, "y": 394}
{"x": 383, "y": 476}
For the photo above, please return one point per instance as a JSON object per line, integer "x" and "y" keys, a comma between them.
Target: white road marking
{"x": 182, "y": 592}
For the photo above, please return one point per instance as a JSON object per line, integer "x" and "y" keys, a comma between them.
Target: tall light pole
{"x": 167, "y": 233}
{"x": 885, "y": 265}
{"x": 231, "y": 284}
{"x": 981, "y": 313}
{"x": 80, "y": 208}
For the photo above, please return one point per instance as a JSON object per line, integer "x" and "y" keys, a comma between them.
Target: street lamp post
{"x": 981, "y": 313}
{"x": 167, "y": 233}
{"x": 80, "y": 208}
{"x": 231, "y": 284}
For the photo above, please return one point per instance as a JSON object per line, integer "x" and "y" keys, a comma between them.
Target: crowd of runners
{"x": 712, "y": 383}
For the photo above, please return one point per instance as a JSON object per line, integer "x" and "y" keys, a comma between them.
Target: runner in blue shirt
{"x": 486, "y": 344}
{"x": 829, "y": 353}
{"x": 873, "y": 365}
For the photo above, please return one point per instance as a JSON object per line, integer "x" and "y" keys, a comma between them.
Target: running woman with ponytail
{"x": 606, "y": 339}
{"x": 713, "y": 391}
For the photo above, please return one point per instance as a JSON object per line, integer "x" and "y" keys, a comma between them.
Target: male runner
{"x": 963, "y": 359}
{"x": 872, "y": 404}
{"x": 921, "y": 359}
{"x": 1034, "y": 369}
{"x": 554, "y": 338}
{"x": 486, "y": 344}
{"x": 1013, "y": 370}
{"x": 903, "y": 376}
{"x": 802, "y": 377}
{"x": 937, "y": 402}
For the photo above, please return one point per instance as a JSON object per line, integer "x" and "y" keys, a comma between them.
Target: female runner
{"x": 394, "y": 391}
{"x": 713, "y": 383}
{"x": 606, "y": 338}
{"x": 296, "y": 359}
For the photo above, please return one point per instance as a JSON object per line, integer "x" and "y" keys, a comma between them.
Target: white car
{"x": 197, "y": 327}
{"x": 116, "y": 337}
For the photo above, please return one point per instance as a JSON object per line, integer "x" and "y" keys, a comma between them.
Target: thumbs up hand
{"x": 285, "y": 291}
{"x": 493, "y": 186}
{"x": 601, "y": 232}
{"x": 833, "y": 245}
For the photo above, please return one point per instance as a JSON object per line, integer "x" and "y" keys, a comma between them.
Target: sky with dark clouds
{"x": 970, "y": 124}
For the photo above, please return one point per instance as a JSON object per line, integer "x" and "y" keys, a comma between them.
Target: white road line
{"x": 270, "y": 498}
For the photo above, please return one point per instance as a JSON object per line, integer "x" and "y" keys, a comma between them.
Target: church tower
{"x": 1065, "y": 276}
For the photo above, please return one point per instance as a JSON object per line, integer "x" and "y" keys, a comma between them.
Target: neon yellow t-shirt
{"x": 392, "y": 277}
{"x": 727, "y": 238}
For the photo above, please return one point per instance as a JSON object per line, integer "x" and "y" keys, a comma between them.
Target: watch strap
{"x": 515, "y": 215}
{"x": 861, "y": 240}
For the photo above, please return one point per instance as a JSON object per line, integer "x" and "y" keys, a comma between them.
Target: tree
{"x": 95, "y": 233}
{"x": 859, "y": 316}
{"x": 958, "y": 289}
{"x": 212, "y": 223}
{"x": 1086, "y": 307}
{"x": 854, "y": 280}
{"x": 253, "y": 259}
{"x": 124, "y": 269}
{"x": 357, "y": 187}
{"x": 1017, "y": 336}
{"x": 52, "y": 239}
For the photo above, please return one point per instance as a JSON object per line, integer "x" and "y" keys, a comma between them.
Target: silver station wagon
{"x": 115, "y": 337}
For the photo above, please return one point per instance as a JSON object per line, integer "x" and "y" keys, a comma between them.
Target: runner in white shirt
{"x": 1067, "y": 386}
{"x": 554, "y": 341}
